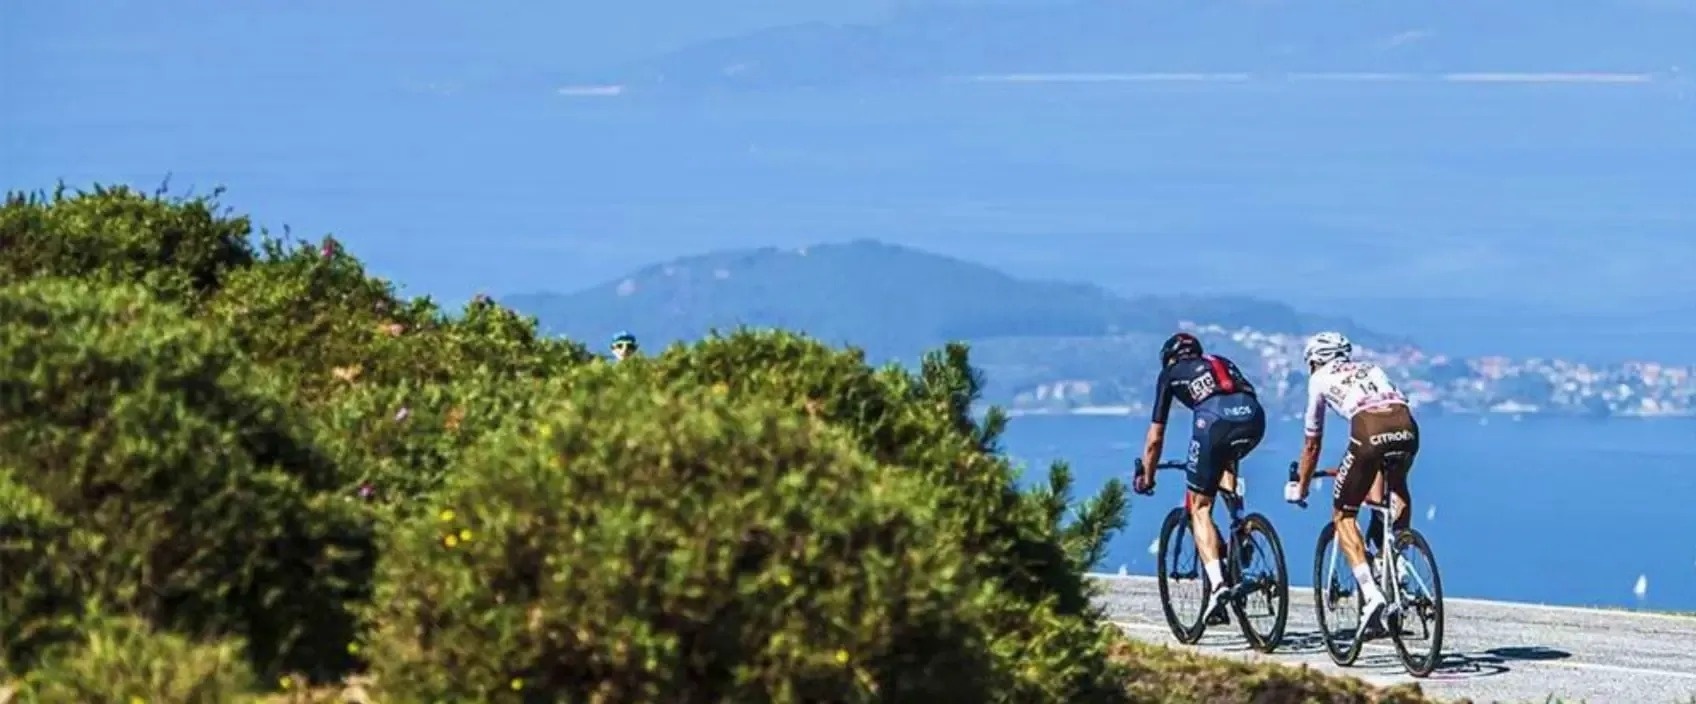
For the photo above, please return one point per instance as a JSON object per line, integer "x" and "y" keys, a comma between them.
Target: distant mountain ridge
{"x": 892, "y": 301}
{"x": 1056, "y": 347}
{"x": 1096, "y": 36}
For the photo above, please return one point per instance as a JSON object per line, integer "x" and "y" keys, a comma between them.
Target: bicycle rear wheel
{"x": 1183, "y": 584}
{"x": 1421, "y": 596}
{"x": 1335, "y": 596}
{"x": 1256, "y": 545}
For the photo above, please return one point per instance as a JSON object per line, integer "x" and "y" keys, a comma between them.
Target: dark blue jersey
{"x": 1194, "y": 380}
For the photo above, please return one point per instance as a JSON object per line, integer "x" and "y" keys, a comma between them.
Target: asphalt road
{"x": 1493, "y": 651}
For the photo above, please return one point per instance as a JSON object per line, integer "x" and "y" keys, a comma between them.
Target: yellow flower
{"x": 465, "y": 535}
{"x": 517, "y": 684}
{"x": 450, "y": 540}
{"x": 447, "y": 515}
{"x": 841, "y": 657}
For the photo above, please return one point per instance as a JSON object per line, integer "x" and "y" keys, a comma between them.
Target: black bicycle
{"x": 1407, "y": 593}
{"x": 1267, "y": 594}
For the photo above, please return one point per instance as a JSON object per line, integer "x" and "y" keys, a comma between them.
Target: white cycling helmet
{"x": 1327, "y": 347}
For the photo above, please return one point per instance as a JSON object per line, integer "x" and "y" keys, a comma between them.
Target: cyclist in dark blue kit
{"x": 1229, "y": 423}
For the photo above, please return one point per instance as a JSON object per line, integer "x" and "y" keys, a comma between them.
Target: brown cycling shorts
{"x": 1380, "y": 440}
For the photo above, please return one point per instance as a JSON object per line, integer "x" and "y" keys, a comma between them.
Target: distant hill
{"x": 1097, "y": 36}
{"x": 1055, "y": 347}
{"x": 892, "y": 301}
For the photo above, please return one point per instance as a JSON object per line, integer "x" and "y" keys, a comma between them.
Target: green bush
{"x": 404, "y": 439}
{"x": 206, "y": 506}
{"x": 38, "y": 602}
{"x": 180, "y": 249}
{"x": 758, "y": 517}
{"x": 645, "y": 542}
{"x": 924, "y": 422}
{"x": 121, "y": 659}
{"x": 314, "y": 314}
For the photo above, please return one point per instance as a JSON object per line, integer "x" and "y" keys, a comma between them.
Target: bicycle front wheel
{"x": 1262, "y": 606}
{"x": 1336, "y": 599}
{"x": 1418, "y": 630}
{"x": 1183, "y": 584}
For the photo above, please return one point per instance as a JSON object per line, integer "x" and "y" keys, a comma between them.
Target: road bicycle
{"x": 1405, "y": 592}
{"x": 1240, "y": 552}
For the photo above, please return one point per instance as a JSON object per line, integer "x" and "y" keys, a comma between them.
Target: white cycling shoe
{"x": 1371, "y": 613}
{"x": 1214, "y": 614}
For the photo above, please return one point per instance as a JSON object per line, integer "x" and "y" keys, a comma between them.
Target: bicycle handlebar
{"x": 1169, "y": 464}
{"x": 1332, "y": 473}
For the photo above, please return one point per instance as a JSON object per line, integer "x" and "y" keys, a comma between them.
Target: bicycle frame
{"x": 1234, "y": 503}
{"x": 1388, "y": 579}
{"x": 1233, "y": 500}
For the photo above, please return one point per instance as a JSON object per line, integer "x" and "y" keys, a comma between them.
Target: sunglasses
{"x": 622, "y": 346}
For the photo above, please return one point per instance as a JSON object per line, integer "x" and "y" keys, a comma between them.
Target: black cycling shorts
{"x": 1380, "y": 440}
{"x": 1227, "y": 428}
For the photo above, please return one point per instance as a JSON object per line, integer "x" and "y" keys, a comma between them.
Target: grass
{"x": 1166, "y": 675}
{"x": 1160, "y": 674}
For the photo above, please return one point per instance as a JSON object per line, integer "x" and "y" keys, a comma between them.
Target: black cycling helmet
{"x": 1179, "y": 346}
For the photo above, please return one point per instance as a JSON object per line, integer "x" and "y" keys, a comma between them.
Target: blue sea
{"x": 1541, "y": 509}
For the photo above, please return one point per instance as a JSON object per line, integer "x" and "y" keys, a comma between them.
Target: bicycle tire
{"x": 1280, "y": 594}
{"x": 1342, "y": 655}
{"x": 1177, "y": 523}
{"x": 1434, "y": 654}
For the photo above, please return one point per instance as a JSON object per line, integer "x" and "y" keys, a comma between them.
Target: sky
{"x": 430, "y": 137}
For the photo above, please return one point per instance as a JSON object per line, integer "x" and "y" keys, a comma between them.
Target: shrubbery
{"x": 713, "y": 550}
{"x": 184, "y": 488}
{"x": 123, "y": 659}
{"x": 249, "y": 446}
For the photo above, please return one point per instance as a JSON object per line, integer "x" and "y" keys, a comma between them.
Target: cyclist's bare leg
{"x": 1228, "y": 477}
{"x": 1201, "y": 521}
{"x": 1207, "y": 541}
{"x": 1375, "y": 522}
{"x": 1349, "y": 538}
{"x": 1401, "y": 507}
{"x": 1228, "y": 480}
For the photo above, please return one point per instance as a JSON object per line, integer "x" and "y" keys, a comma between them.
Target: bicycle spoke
{"x": 1182, "y": 587}
{"x": 1419, "y": 651}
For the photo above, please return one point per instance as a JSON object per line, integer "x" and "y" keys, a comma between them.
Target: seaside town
{"x": 1436, "y": 382}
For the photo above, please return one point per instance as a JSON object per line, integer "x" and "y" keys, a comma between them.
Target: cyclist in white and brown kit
{"x": 1383, "y": 440}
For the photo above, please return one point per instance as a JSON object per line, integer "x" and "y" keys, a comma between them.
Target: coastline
{"x": 1515, "y": 413}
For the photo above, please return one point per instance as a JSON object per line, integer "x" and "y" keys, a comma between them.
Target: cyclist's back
{"x": 1229, "y": 422}
{"x": 1206, "y": 381}
{"x": 1381, "y": 425}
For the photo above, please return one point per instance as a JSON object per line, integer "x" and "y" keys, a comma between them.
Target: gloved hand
{"x": 1294, "y": 493}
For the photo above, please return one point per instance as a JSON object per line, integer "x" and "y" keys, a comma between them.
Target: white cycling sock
{"x": 1368, "y": 589}
{"x": 1216, "y": 573}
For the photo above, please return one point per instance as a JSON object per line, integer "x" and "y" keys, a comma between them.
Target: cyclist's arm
{"x": 1154, "y": 441}
{"x": 1313, "y": 427}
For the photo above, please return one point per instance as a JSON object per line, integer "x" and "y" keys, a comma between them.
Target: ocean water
{"x": 1542, "y": 509}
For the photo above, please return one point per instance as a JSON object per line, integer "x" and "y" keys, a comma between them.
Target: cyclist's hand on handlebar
{"x": 1143, "y": 483}
{"x": 1295, "y": 493}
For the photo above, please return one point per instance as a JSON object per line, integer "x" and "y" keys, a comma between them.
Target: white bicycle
{"x": 1407, "y": 593}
